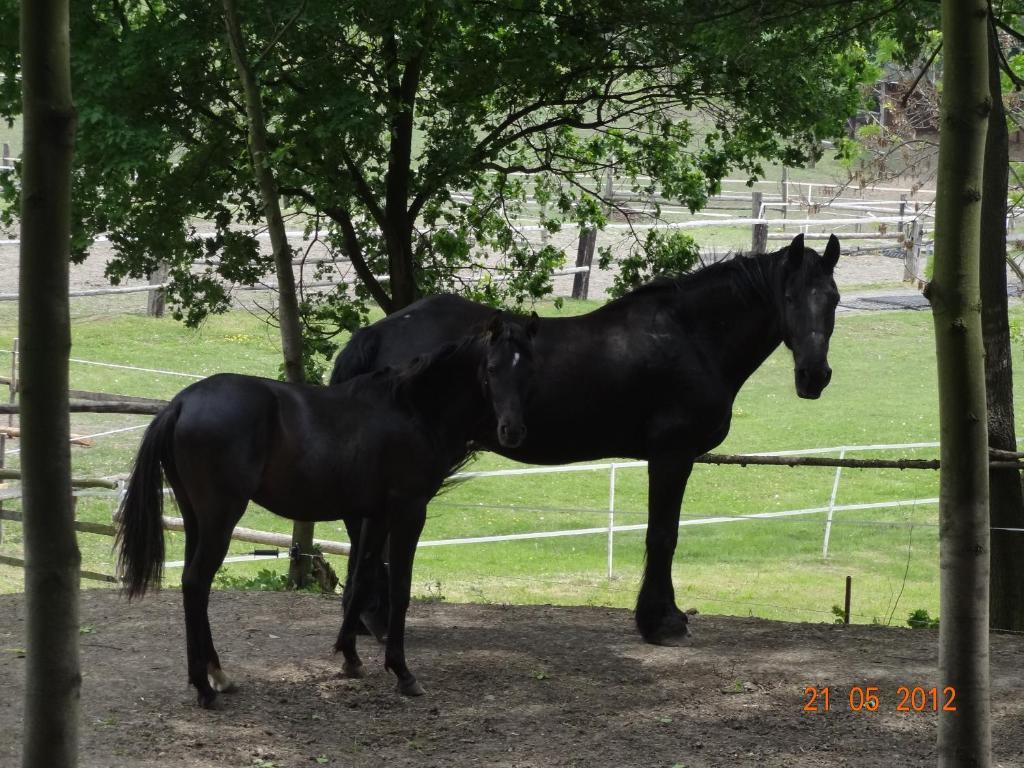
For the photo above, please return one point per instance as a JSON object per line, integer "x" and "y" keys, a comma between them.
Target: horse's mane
{"x": 400, "y": 378}
{"x": 751, "y": 272}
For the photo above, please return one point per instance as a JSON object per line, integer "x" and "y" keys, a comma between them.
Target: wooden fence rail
{"x": 17, "y": 562}
{"x": 88, "y": 406}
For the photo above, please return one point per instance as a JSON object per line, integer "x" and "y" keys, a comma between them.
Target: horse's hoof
{"x": 354, "y": 671}
{"x": 220, "y": 682}
{"x": 671, "y": 630}
{"x": 207, "y": 699}
{"x": 672, "y": 641}
{"x": 410, "y": 687}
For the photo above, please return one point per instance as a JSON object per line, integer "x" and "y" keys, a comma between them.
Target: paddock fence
{"x": 840, "y": 458}
{"x": 113, "y": 487}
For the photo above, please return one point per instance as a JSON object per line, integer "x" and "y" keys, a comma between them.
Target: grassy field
{"x": 11, "y": 135}
{"x": 883, "y": 391}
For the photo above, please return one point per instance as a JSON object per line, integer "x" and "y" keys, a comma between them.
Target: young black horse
{"x": 377, "y": 448}
{"x": 651, "y": 376}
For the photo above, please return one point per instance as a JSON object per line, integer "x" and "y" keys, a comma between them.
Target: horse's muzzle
{"x": 810, "y": 382}
{"x": 511, "y": 434}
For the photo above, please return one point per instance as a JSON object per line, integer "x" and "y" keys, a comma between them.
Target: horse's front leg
{"x": 405, "y": 528}
{"x": 657, "y": 616}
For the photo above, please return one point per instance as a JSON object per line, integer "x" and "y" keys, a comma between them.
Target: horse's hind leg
{"x": 214, "y": 536}
{"x": 367, "y": 554}
{"x": 406, "y": 527}
{"x": 374, "y": 616}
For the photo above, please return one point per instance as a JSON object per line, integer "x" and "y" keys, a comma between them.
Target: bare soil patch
{"x": 506, "y": 686}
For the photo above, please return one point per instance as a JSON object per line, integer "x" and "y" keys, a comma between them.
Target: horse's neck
{"x": 447, "y": 394}
{"x": 741, "y": 315}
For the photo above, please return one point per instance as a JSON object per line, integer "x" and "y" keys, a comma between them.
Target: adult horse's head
{"x": 809, "y": 313}
{"x": 507, "y": 374}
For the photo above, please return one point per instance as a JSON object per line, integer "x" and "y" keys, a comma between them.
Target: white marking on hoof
{"x": 220, "y": 681}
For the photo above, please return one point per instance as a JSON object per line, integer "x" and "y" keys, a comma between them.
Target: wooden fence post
{"x": 846, "y": 600}
{"x": 584, "y": 258}
{"x": 785, "y": 192}
{"x": 156, "y": 299}
{"x": 588, "y": 241}
{"x": 912, "y": 260}
{"x": 759, "y": 238}
{"x": 881, "y": 107}
{"x": 5, "y": 158}
{"x": 903, "y": 211}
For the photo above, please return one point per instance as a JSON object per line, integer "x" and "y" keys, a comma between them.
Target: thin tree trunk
{"x": 52, "y": 560}
{"x": 288, "y": 305}
{"x": 964, "y": 735}
{"x": 1006, "y": 500}
{"x": 402, "y": 87}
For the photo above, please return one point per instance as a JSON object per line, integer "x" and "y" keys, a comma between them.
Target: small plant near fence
{"x": 324, "y": 581}
{"x": 434, "y": 593}
{"x": 265, "y": 580}
{"x": 920, "y": 619}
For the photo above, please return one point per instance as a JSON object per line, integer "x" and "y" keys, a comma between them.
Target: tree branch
{"x": 924, "y": 69}
{"x": 355, "y": 254}
{"x": 277, "y": 35}
{"x": 363, "y": 189}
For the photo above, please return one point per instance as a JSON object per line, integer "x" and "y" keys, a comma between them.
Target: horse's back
{"x": 421, "y": 327}
{"x": 225, "y": 419}
{"x": 288, "y": 447}
{"x": 604, "y": 375}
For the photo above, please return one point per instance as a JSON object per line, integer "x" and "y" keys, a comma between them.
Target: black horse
{"x": 379, "y": 448}
{"x": 652, "y": 375}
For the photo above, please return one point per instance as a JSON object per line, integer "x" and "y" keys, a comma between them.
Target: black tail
{"x": 140, "y": 531}
{"x": 358, "y": 356}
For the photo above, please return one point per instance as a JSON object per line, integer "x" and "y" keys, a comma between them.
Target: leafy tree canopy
{"x": 411, "y": 133}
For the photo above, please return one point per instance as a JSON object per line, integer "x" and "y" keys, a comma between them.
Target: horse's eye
{"x": 492, "y": 368}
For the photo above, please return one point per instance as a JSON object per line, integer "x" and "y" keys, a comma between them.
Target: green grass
{"x": 883, "y": 391}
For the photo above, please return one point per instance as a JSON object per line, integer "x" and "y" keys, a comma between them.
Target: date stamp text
{"x": 872, "y": 698}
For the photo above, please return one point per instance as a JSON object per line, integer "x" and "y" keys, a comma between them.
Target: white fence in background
{"x": 613, "y": 468}
{"x": 609, "y": 530}
{"x": 829, "y": 510}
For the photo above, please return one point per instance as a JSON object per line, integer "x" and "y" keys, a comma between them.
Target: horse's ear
{"x": 531, "y": 325}
{"x": 795, "y": 252}
{"x": 831, "y": 255}
{"x": 495, "y": 325}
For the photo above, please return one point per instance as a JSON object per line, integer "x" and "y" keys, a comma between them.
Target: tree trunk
{"x": 1006, "y": 500}
{"x": 964, "y": 735}
{"x": 401, "y": 263}
{"x": 288, "y": 305}
{"x": 52, "y": 560}
{"x": 402, "y": 85}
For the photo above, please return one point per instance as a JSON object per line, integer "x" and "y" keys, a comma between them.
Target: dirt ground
{"x": 521, "y": 686}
